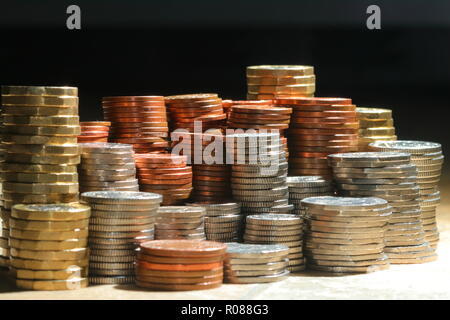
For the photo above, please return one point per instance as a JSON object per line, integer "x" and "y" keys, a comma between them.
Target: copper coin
{"x": 261, "y": 109}
{"x": 183, "y": 248}
{"x": 164, "y": 176}
{"x": 293, "y": 151}
{"x": 314, "y": 100}
{"x": 168, "y": 170}
{"x": 210, "y": 183}
{"x": 211, "y": 188}
{"x": 179, "y": 274}
{"x": 119, "y": 110}
{"x": 322, "y": 107}
{"x": 162, "y": 158}
{"x": 178, "y": 260}
{"x": 165, "y": 182}
{"x": 211, "y": 173}
{"x": 185, "y": 281}
{"x": 309, "y": 160}
{"x": 263, "y": 116}
{"x": 306, "y": 131}
{"x": 211, "y": 167}
{"x": 322, "y": 143}
{"x": 194, "y": 104}
{"x": 94, "y": 128}
{"x": 162, "y": 188}
{"x": 312, "y": 171}
{"x": 249, "y": 126}
{"x": 211, "y": 178}
{"x": 252, "y": 102}
{"x": 180, "y": 287}
{"x": 324, "y": 114}
{"x": 194, "y": 108}
{"x": 339, "y": 137}
{"x": 95, "y": 123}
{"x": 133, "y": 98}
{"x": 91, "y": 139}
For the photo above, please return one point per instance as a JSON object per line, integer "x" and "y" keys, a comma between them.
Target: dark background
{"x": 157, "y": 47}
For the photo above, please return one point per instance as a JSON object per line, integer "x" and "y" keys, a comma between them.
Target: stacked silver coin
{"x": 284, "y": 229}
{"x": 180, "y": 222}
{"x": 428, "y": 158}
{"x": 223, "y": 221}
{"x": 255, "y": 263}
{"x": 391, "y": 176}
{"x": 107, "y": 166}
{"x": 346, "y": 235}
{"x": 259, "y": 171}
{"x": 120, "y": 220}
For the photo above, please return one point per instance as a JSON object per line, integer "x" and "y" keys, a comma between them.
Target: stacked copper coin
{"x": 180, "y": 265}
{"x": 204, "y": 110}
{"x": 49, "y": 246}
{"x": 166, "y": 174}
{"x": 280, "y": 81}
{"x": 390, "y": 176}
{"x": 375, "y": 124}
{"x": 284, "y": 229}
{"x": 94, "y": 131}
{"x": 138, "y": 120}
{"x": 319, "y": 127}
{"x": 120, "y": 220}
{"x": 346, "y": 235}
{"x": 256, "y": 263}
{"x": 428, "y": 158}
{"x": 107, "y": 166}
{"x": 227, "y": 104}
{"x": 180, "y": 222}
{"x": 223, "y": 221}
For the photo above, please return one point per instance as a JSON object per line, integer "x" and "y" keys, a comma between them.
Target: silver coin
{"x": 257, "y": 279}
{"x": 277, "y": 219}
{"x": 181, "y": 211}
{"x": 251, "y": 251}
{"x": 122, "y": 196}
{"x": 415, "y": 147}
{"x": 344, "y": 202}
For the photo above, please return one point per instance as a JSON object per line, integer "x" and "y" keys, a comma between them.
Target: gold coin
{"x": 74, "y": 271}
{"x": 288, "y": 80}
{"x": 39, "y": 91}
{"x": 43, "y": 130}
{"x": 68, "y": 101}
{"x": 71, "y": 254}
{"x": 43, "y": 149}
{"x": 40, "y": 187}
{"x": 70, "y": 284}
{"x": 298, "y": 88}
{"x": 280, "y": 70}
{"x": 31, "y": 225}
{"x": 42, "y": 159}
{"x": 46, "y": 265}
{"x": 38, "y": 168}
{"x": 41, "y": 198}
{"x": 39, "y": 177}
{"x": 40, "y": 111}
{"x": 48, "y": 235}
{"x": 36, "y": 139}
{"x": 42, "y": 121}
{"x": 374, "y": 113}
{"x": 51, "y": 212}
{"x": 47, "y": 245}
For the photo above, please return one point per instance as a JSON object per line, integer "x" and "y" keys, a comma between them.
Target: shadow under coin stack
{"x": 346, "y": 235}
{"x": 255, "y": 263}
{"x": 166, "y": 174}
{"x": 120, "y": 220}
{"x": 180, "y": 265}
{"x": 107, "y": 167}
{"x": 94, "y": 131}
{"x": 284, "y": 229}
{"x": 49, "y": 246}
{"x": 428, "y": 158}
{"x": 138, "y": 120}
{"x": 374, "y": 124}
{"x": 180, "y": 222}
{"x": 390, "y": 176}
{"x": 280, "y": 81}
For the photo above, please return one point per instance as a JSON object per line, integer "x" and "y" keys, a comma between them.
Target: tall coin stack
{"x": 374, "y": 124}
{"x": 176, "y": 265}
{"x": 428, "y": 158}
{"x": 284, "y": 229}
{"x": 49, "y": 246}
{"x": 94, "y": 131}
{"x": 120, "y": 220}
{"x": 166, "y": 174}
{"x": 255, "y": 263}
{"x": 107, "y": 166}
{"x": 180, "y": 222}
{"x": 346, "y": 235}
{"x": 138, "y": 120}
{"x": 390, "y": 176}
{"x": 280, "y": 81}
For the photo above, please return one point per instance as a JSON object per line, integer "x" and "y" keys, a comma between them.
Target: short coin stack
{"x": 284, "y": 229}
{"x": 428, "y": 158}
{"x": 223, "y": 221}
{"x": 180, "y": 222}
{"x": 94, "y": 131}
{"x": 180, "y": 265}
{"x": 227, "y": 104}
{"x": 107, "y": 166}
{"x": 280, "y": 81}
{"x": 120, "y": 220}
{"x": 255, "y": 263}
{"x": 138, "y": 120}
{"x": 374, "y": 124}
{"x": 346, "y": 235}
{"x": 390, "y": 176}
{"x": 166, "y": 174}
{"x": 49, "y": 246}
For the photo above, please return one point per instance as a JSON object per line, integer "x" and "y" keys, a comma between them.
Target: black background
{"x": 157, "y": 47}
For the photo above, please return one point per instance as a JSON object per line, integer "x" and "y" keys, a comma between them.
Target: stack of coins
{"x": 138, "y": 120}
{"x": 205, "y": 109}
{"x": 180, "y": 265}
{"x": 120, "y": 220}
{"x": 227, "y": 104}
{"x": 302, "y": 187}
{"x": 49, "y": 246}
{"x": 4, "y": 236}
{"x": 166, "y": 174}
{"x": 278, "y": 81}
{"x": 211, "y": 182}
{"x": 107, "y": 167}
{"x": 319, "y": 127}
{"x": 346, "y": 235}
{"x": 180, "y": 222}
{"x": 428, "y": 158}
{"x": 374, "y": 124}
{"x": 223, "y": 221}
{"x": 255, "y": 263}
{"x": 94, "y": 131}
{"x": 390, "y": 176}
{"x": 284, "y": 229}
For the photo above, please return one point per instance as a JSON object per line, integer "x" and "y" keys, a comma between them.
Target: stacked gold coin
{"x": 280, "y": 81}
{"x": 346, "y": 235}
{"x": 428, "y": 158}
{"x": 120, "y": 220}
{"x": 180, "y": 222}
{"x": 374, "y": 124}
{"x": 107, "y": 166}
{"x": 49, "y": 246}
